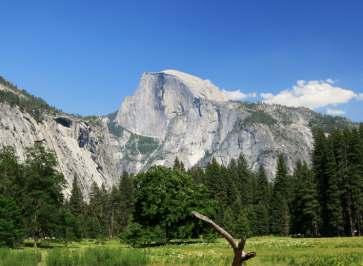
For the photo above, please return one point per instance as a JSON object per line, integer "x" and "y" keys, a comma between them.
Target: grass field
{"x": 270, "y": 251}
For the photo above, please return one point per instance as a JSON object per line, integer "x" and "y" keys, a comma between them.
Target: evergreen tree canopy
{"x": 42, "y": 193}
{"x": 164, "y": 200}
{"x": 11, "y": 226}
{"x": 279, "y": 209}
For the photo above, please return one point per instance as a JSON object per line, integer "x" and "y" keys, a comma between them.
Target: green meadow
{"x": 270, "y": 251}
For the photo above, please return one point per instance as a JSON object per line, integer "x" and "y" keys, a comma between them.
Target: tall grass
{"x": 271, "y": 251}
{"x": 19, "y": 257}
{"x": 100, "y": 256}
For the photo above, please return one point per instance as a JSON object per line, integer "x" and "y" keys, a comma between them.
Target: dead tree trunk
{"x": 239, "y": 255}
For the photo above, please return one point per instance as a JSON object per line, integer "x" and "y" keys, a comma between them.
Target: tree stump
{"x": 239, "y": 255}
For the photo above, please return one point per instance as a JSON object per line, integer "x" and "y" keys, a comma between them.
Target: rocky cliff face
{"x": 193, "y": 120}
{"x": 172, "y": 114}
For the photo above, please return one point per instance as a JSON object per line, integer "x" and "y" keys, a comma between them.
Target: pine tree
{"x": 231, "y": 177}
{"x": 94, "y": 214}
{"x": 127, "y": 199}
{"x": 339, "y": 140}
{"x": 320, "y": 175}
{"x": 74, "y": 213}
{"x": 197, "y": 173}
{"x": 114, "y": 228}
{"x": 12, "y": 230}
{"x": 76, "y": 203}
{"x": 263, "y": 189}
{"x": 11, "y": 182}
{"x": 355, "y": 173}
{"x": 178, "y": 165}
{"x": 262, "y": 204}
{"x": 245, "y": 181}
{"x": 43, "y": 198}
{"x": 305, "y": 210}
{"x": 214, "y": 180}
{"x": 334, "y": 211}
{"x": 280, "y": 217}
{"x": 261, "y": 224}
{"x": 69, "y": 227}
{"x": 236, "y": 221}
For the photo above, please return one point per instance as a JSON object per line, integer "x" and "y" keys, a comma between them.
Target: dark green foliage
{"x": 337, "y": 164}
{"x": 138, "y": 235}
{"x": 261, "y": 225}
{"x": 140, "y": 144}
{"x": 73, "y": 214}
{"x": 10, "y": 173}
{"x": 31, "y": 194}
{"x": 108, "y": 212}
{"x": 42, "y": 194}
{"x": 98, "y": 211}
{"x": 69, "y": 226}
{"x": 178, "y": 165}
{"x": 259, "y": 117}
{"x": 263, "y": 188}
{"x": 280, "y": 216}
{"x": 305, "y": 205}
{"x": 216, "y": 185}
{"x": 262, "y": 203}
{"x": 127, "y": 199}
{"x": 164, "y": 200}
{"x": 355, "y": 182}
{"x": 76, "y": 203}
{"x": 155, "y": 207}
{"x": 11, "y": 226}
{"x": 115, "y": 129}
{"x": 327, "y": 123}
{"x": 334, "y": 209}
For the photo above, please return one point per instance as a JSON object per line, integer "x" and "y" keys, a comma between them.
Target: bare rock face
{"x": 194, "y": 121}
{"x": 161, "y": 97}
{"x": 78, "y": 146}
{"x": 172, "y": 114}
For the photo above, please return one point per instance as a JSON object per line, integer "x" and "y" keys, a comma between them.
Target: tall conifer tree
{"x": 280, "y": 216}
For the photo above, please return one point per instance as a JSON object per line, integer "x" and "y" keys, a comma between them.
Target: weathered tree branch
{"x": 239, "y": 255}
{"x": 219, "y": 229}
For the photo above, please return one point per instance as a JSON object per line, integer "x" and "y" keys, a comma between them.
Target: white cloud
{"x": 237, "y": 95}
{"x": 359, "y": 96}
{"x": 335, "y": 112}
{"x": 312, "y": 94}
{"x": 331, "y": 81}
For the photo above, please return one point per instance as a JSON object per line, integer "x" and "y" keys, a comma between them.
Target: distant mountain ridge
{"x": 172, "y": 114}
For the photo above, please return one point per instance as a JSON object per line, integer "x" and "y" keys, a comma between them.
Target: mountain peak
{"x": 199, "y": 87}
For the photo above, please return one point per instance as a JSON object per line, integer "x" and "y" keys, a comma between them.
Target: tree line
{"x": 32, "y": 203}
{"x": 323, "y": 198}
{"x": 27, "y": 102}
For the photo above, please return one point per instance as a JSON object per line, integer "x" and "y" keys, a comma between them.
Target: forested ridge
{"x": 27, "y": 102}
{"x": 324, "y": 198}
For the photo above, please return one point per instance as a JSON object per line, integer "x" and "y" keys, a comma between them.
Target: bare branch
{"x": 239, "y": 255}
{"x": 219, "y": 229}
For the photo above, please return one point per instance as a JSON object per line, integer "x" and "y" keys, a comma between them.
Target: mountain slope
{"x": 171, "y": 114}
{"x": 194, "y": 120}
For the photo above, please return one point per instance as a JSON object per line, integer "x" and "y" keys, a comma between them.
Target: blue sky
{"x": 86, "y": 56}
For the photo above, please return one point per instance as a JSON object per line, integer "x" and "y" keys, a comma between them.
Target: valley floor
{"x": 270, "y": 251}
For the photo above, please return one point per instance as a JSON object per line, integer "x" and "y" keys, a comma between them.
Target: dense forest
{"x": 324, "y": 198}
